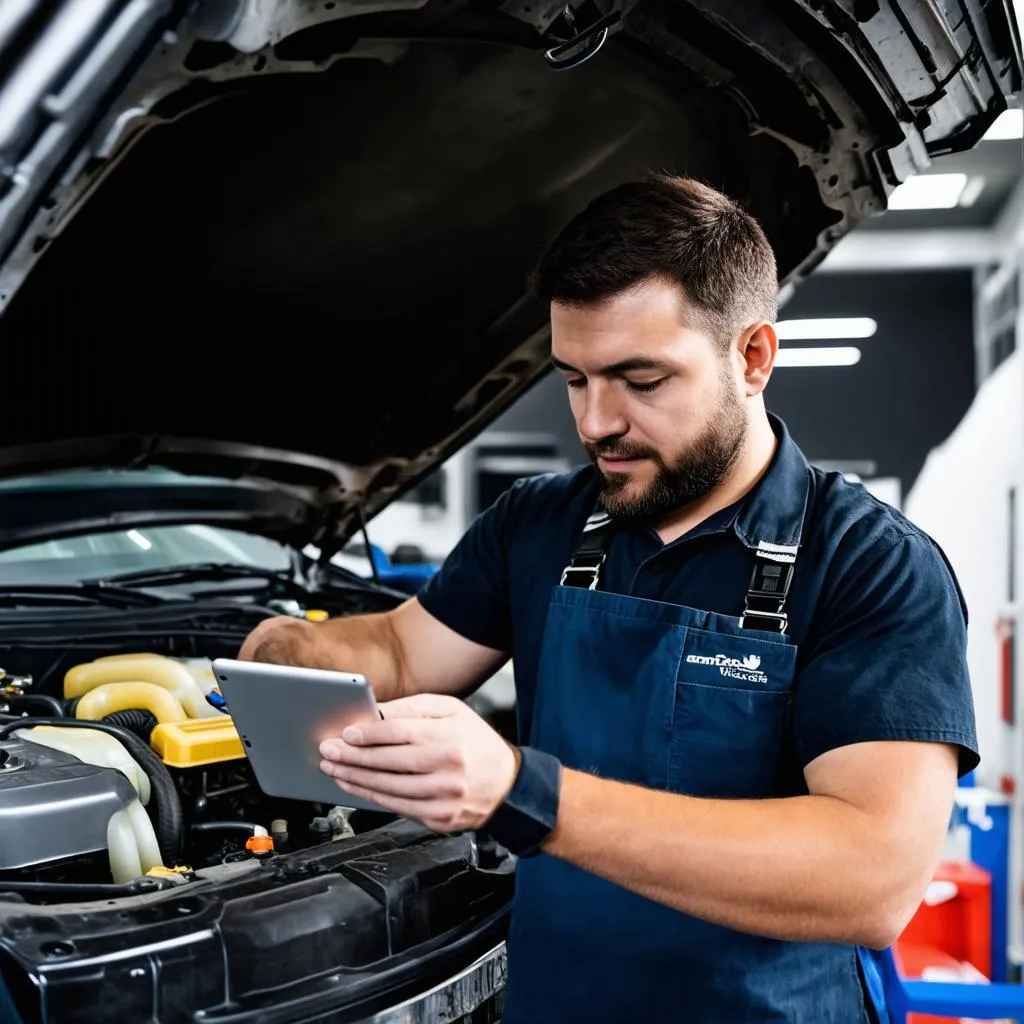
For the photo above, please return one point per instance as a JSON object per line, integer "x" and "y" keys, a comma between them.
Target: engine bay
{"x": 116, "y": 764}
{"x": 142, "y": 867}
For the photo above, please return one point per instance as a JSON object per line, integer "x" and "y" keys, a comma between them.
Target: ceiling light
{"x": 137, "y": 538}
{"x": 826, "y": 329}
{"x": 928, "y": 192}
{"x": 1008, "y": 125}
{"x": 840, "y": 355}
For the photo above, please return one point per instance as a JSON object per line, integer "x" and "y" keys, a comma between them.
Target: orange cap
{"x": 259, "y": 844}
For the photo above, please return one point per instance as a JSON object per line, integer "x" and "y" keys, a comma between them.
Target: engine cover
{"x": 54, "y": 806}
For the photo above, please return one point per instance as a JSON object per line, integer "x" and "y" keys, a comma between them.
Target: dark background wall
{"x": 911, "y": 387}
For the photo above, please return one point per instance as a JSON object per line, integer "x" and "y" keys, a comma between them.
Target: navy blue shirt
{"x": 875, "y": 609}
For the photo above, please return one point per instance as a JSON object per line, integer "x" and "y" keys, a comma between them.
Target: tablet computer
{"x": 283, "y": 713}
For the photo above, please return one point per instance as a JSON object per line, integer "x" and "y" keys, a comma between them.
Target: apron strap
{"x": 585, "y": 568}
{"x": 764, "y": 607}
{"x": 765, "y": 604}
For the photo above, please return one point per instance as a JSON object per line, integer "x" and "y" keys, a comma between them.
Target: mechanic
{"x": 742, "y": 693}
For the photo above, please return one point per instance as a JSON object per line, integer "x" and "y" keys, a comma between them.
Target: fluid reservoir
{"x": 93, "y": 747}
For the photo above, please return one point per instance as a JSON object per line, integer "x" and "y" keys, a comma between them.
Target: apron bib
{"x": 683, "y": 700}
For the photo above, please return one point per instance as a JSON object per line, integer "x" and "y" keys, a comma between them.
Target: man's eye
{"x": 644, "y": 386}
{"x": 576, "y": 382}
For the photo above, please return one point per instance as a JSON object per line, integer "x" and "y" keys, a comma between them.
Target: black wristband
{"x": 530, "y": 811}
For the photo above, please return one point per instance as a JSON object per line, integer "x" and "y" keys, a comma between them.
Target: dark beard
{"x": 694, "y": 474}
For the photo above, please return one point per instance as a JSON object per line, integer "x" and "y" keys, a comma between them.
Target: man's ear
{"x": 757, "y": 346}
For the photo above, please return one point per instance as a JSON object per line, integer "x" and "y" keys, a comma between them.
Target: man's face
{"x": 657, "y": 402}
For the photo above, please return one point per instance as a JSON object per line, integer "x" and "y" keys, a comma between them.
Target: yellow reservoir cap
{"x": 197, "y": 741}
{"x": 110, "y": 697}
{"x": 317, "y": 615}
{"x": 177, "y": 874}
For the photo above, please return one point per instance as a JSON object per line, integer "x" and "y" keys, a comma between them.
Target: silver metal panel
{"x": 53, "y": 806}
{"x": 454, "y": 998}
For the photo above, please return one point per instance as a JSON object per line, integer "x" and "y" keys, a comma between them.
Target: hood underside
{"x": 287, "y": 244}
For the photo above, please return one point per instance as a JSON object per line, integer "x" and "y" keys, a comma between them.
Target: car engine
{"x": 117, "y": 767}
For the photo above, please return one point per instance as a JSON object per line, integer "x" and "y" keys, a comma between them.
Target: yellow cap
{"x": 162, "y": 872}
{"x": 317, "y": 615}
{"x": 197, "y": 741}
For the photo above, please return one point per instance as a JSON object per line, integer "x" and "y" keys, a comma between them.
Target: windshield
{"x": 99, "y": 555}
{"x": 106, "y": 553}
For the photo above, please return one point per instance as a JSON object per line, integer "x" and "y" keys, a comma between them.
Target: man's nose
{"x": 602, "y": 415}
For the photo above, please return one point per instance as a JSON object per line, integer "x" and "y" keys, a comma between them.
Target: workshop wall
{"x": 962, "y": 499}
{"x": 913, "y": 384}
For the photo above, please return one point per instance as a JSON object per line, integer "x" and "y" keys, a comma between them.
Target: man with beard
{"x": 742, "y": 694}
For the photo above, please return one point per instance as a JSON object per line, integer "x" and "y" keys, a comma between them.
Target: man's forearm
{"x": 360, "y": 643}
{"x": 806, "y": 868}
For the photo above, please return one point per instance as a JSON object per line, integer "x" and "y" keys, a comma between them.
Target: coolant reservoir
{"x": 131, "y": 844}
{"x": 93, "y": 747}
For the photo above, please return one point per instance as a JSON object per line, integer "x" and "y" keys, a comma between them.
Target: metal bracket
{"x": 585, "y": 42}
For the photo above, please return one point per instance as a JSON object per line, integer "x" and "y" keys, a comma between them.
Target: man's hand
{"x": 431, "y": 758}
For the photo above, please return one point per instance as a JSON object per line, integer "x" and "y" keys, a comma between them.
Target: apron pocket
{"x": 731, "y": 717}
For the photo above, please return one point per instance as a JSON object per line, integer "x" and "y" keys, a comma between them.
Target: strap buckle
{"x": 768, "y": 591}
{"x": 779, "y": 618}
{"x": 594, "y": 570}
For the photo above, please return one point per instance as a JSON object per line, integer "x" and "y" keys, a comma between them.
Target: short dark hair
{"x": 668, "y": 228}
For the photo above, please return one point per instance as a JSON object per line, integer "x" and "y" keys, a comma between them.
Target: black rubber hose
{"x": 224, "y": 826}
{"x": 87, "y": 890}
{"x": 26, "y": 700}
{"x": 169, "y": 831}
{"x": 136, "y": 720}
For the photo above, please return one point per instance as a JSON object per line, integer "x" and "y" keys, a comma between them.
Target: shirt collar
{"x": 774, "y": 510}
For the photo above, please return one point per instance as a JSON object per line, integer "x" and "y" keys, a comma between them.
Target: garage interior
{"x": 269, "y": 352}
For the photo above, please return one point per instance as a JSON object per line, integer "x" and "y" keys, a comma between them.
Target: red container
{"x": 951, "y": 940}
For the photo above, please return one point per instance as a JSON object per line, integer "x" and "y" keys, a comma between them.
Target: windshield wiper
{"x": 200, "y": 572}
{"x": 88, "y": 592}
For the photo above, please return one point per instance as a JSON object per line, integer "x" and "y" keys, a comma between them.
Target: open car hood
{"x": 286, "y": 243}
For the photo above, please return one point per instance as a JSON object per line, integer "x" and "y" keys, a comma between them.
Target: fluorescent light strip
{"x": 1007, "y": 126}
{"x": 826, "y": 329}
{"x": 970, "y": 194}
{"x": 928, "y": 192}
{"x": 838, "y": 355}
{"x": 137, "y": 538}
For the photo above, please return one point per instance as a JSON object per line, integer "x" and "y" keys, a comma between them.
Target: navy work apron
{"x": 678, "y": 699}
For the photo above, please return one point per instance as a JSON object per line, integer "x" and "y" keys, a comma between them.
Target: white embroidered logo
{"x": 748, "y": 669}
